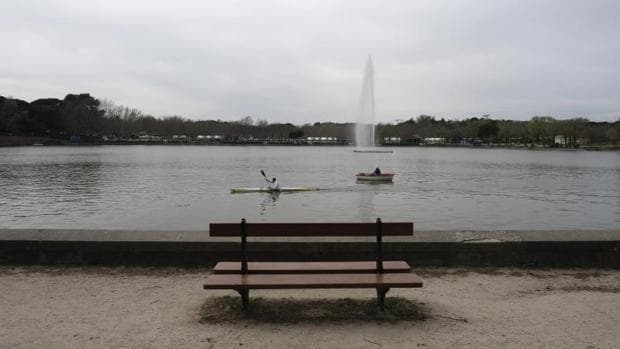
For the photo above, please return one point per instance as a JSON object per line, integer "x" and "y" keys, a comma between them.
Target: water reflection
{"x": 50, "y": 189}
{"x": 366, "y": 205}
{"x": 269, "y": 201}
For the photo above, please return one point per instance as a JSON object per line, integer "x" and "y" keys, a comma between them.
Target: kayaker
{"x": 377, "y": 172}
{"x": 273, "y": 184}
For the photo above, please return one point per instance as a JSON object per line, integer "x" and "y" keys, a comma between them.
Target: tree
{"x": 81, "y": 114}
{"x": 444, "y": 132}
{"x": 487, "y": 129}
{"x": 247, "y": 121}
{"x": 613, "y": 135}
{"x": 45, "y": 116}
{"x": 9, "y": 115}
{"x": 572, "y": 129}
{"x": 426, "y": 120}
{"x": 296, "y": 134}
{"x": 14, "y": 117}
{"x": 540, "y": 128}
{"x": 262, "y": 123}
{"x": 471, "y": 128}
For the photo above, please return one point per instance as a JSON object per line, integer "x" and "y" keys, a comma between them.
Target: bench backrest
{"x": 311, "y": 229}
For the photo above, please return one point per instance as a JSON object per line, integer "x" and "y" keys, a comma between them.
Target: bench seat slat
{"x": 300, "y": 281}
{"x": 311, "y": 267}
{"x": 311, "y": 229}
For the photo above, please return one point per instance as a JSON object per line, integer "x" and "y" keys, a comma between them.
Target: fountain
{"x": 365, "y": 125}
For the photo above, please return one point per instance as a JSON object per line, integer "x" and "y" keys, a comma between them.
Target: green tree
{"x": 504, "y": 133}
{"x": 45, "y": 116}
{"x": 488, "y": 129}
{"x": 540, "y": 129}
{"x": 445, "y": 133}
{"x": 81, "y": 114}
{"x": 14, "y": 117}
{"x": 572, "y": 129}
{"x": 471, "y": 128}
{"x": 613, "y": 135}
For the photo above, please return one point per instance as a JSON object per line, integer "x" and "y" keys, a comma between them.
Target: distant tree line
{"x": 90, "y": 119}
{"x": 538, "y": 130}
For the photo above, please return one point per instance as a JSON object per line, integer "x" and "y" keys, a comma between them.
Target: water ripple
{"x": 186, "y": 187}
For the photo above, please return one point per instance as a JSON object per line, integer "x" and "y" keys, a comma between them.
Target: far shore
{"x": 14, "y": 141}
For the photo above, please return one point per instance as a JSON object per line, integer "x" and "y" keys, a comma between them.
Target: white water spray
{"x": 365, "y": 126}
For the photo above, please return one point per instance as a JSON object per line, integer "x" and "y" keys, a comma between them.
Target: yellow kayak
{"x": 269, "y": 190}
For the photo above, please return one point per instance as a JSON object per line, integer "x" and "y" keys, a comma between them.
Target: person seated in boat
{"x": 273, "y": 184}
{"x": 377, "y": 172}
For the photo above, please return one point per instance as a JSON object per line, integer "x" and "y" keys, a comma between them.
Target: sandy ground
{"x": 121, "y": 307}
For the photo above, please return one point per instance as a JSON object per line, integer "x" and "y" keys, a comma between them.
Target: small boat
{"x": 269, "y": 190}
{"x": 372, "y": 151}
{"x": 369, "y": 177}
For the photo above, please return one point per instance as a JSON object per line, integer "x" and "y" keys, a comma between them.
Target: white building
{"x": 149, "y": 138}
{"x": 560, "y": 139}
{"x": 391, "y": 140}
{"x": 434, "y": 140}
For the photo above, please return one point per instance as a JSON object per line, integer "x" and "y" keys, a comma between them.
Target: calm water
{"x": 186, "y": 187}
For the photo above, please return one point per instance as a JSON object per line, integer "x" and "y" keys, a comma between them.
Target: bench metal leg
{"x": 245, "y": 298}
{"x": 381, "y": 298}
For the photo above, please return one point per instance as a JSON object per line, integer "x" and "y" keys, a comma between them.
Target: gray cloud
{"x": 303, "y": 61}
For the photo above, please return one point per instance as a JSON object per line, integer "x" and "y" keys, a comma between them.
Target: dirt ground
{"x": 91, "y": 307}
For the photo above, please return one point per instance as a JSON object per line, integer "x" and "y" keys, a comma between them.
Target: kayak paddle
{"x": 263, "y": 173}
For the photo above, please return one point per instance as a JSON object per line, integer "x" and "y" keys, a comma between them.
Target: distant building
{"x": 434, "y": 140}
{"x": 149, "y": 138}
{"x": 208, "y": 138}
{"x": 391, "y": 140}
{"x": 560, "y": 139}
{"x": 180, "y": 138}
{"x": 414, "y": 140}
{"x": 322, "y": 140}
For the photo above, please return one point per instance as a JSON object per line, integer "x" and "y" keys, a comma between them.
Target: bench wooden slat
{"x": 311, "y": 267}
{"x": 311, "y": 229}
{"x": 300, "y": 281}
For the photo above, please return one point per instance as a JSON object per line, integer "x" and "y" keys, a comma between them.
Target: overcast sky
{"x": 303, "y": 61}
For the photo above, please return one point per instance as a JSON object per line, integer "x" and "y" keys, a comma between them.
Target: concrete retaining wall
{"x": 599, "y": 249}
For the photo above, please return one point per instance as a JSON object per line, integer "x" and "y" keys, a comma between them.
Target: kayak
{"x": 369, "y": 177}
{"x": 269, "y": 190}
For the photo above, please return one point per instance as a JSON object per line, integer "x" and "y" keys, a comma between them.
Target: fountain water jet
{"x": 365, "y": 125}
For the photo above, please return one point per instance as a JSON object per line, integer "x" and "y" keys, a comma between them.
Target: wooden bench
{"x": 243, "y": 276}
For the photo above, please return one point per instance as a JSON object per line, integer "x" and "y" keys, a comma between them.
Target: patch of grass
{"x": 586, "y": 275}
{"x": 292, "y": 310}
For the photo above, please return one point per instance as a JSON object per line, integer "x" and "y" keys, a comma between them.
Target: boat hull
{"x": 269, "y": 190}
{"x": 368, "y": 177}
{"x": 373, "y": 151}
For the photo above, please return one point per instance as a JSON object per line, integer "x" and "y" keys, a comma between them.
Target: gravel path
{"x": 155, "y": 307}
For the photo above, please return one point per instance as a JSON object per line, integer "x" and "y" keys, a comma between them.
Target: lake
{"x": 186, "y": 187}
